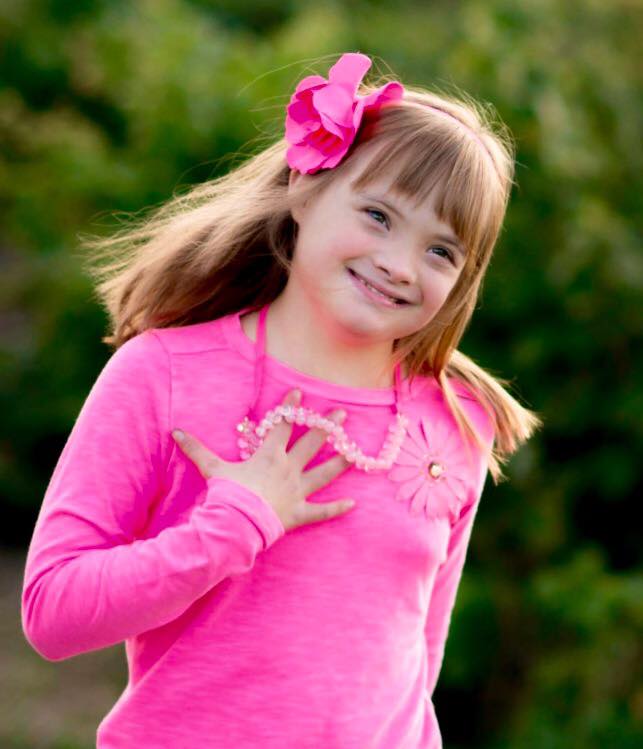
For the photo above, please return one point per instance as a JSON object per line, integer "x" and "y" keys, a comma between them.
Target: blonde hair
{"x": 227, "y": 244}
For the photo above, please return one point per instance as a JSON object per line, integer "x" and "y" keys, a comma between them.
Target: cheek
{"x": 436, "y": 289}
{"x": 330, "y": 249}
{"x": 347, "y": 244}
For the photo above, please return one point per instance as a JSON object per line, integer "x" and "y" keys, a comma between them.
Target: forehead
{"x": 385, "y": 189}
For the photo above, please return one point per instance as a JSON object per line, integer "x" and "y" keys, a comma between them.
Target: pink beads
{"x": 253, "y": 436}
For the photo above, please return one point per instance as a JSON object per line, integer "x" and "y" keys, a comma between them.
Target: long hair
{"x": 228, "y": 243}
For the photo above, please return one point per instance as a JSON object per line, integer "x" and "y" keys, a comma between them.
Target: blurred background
{"x": 107, "y": 108}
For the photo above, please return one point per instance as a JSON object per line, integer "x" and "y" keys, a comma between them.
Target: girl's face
{"x": 380, "y": 237}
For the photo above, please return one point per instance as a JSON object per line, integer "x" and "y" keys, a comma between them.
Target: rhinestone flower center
{"x": 435, "y": 469}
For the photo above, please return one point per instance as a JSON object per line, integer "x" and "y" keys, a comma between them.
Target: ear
{"x": 295, "y": 180}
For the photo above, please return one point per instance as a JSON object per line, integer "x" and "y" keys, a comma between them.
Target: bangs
{"x": 468, "y": 193}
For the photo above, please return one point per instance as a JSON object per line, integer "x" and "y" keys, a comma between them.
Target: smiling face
{"x": 344, "y": 234}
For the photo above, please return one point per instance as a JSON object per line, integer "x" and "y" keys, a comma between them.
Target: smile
{"x": 373, "y": 294}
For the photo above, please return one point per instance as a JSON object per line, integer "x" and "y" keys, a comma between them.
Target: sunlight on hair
{"x": 227, "y": 244}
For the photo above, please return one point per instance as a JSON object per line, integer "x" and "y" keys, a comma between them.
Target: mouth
{"x": 380, "y": 296}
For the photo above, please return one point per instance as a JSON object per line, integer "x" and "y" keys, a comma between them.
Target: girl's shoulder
{"x": 430, "y": 396}
{"x": 193, "y": 338}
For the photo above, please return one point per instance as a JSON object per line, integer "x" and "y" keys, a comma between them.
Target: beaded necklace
{"x": 252, "y": 434}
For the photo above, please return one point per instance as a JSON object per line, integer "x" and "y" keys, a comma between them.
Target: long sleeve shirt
{"x": 237, "y": 633}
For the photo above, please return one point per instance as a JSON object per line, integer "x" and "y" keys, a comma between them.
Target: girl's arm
{"x": 89, "y": 582}
{"x": 447, "y": 581}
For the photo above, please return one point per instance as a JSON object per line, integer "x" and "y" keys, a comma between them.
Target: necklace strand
{"x": 253, "y": 436}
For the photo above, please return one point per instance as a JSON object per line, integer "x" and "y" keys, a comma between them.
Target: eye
{"x": 380, "y": 213}
{"x": 448, "y": 255}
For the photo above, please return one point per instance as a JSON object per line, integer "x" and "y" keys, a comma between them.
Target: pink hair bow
{"x": 323, "y": 116}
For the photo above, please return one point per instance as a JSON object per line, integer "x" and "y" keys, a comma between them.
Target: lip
{"x": 370, "y": 294}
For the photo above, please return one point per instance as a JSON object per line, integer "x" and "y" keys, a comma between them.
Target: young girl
{"x": 283, "y": 575}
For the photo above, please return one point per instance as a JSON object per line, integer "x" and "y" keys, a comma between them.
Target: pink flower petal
{"x": 440, "y": 501}
{"x": 403, "y": 473}
{"x": 325, "y": 143}
{"x": 416, "y": 436}
{"x": 456, "y": 485}
{"x": 298, "y": 129}
{"x": 349, "y": 70}
{"x": 333, "y": 160}
{"x": 421, "y": 499}
{"x": 455, "y": 506}
{"x": 358, "y": 111}
{"x": 408, "y": 489}
{"x": 410, "y": 451}
{"x": 301, "y": 111}
{"x": 310, "y": 81}
{"x": 431, "y": 510}
{"x": 429, "y": 433}
{"x": 303, "y": 158}
{"x": 391, "y": 91}
{"x": 338, "y": 131}
{"x": 336, "y": 103}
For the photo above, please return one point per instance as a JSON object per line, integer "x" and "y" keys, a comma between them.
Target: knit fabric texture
{"x": 238, "y": 634}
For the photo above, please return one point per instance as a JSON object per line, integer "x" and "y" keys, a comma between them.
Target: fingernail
{"x": 178, "y": 435}
{"x": 297, "y": 394}
{"x": 340, "y": 416}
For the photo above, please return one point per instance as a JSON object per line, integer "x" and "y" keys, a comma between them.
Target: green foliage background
{"x": 112, "y": 106}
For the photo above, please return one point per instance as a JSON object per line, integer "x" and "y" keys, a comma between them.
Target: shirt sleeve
{"x": 89, "y": 582}
{"x": 447, "y": 581}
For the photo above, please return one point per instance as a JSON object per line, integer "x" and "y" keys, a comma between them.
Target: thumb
{"x": 204, "y": 459}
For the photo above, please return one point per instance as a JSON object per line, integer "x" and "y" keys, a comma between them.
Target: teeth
{"x": 377, "y": 291}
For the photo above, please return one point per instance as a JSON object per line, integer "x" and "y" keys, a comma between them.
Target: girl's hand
{"x": 277, "y": 476}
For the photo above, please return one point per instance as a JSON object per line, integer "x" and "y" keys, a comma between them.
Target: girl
{"x": 283, "y": 574}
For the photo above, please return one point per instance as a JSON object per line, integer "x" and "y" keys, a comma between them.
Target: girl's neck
{"x": 304, "y": 351}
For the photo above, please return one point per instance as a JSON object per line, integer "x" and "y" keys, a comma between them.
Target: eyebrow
{"x": 448, "y": 238}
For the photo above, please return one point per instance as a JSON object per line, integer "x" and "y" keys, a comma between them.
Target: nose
{"x": 397, "y": 264}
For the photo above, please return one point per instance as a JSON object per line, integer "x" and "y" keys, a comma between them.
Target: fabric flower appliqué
{"x": 430, "y": 468}
{"x": 323, "y": 116}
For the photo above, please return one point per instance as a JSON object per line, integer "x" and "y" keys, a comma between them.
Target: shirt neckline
{"x": 237, "y": 338}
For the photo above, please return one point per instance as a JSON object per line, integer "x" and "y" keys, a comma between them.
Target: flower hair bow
{"x": 323, "y": 116}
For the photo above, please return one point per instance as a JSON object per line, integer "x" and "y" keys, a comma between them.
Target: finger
{"x": 324, "y": 473}
{"x": 314, "y": 512}
{"x": 205, "y": 460}
{"x": 279, "y": 436}
{"x": 309, "y": 444}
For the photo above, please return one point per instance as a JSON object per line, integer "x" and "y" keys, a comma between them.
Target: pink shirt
{"x": 238, "y": 634}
